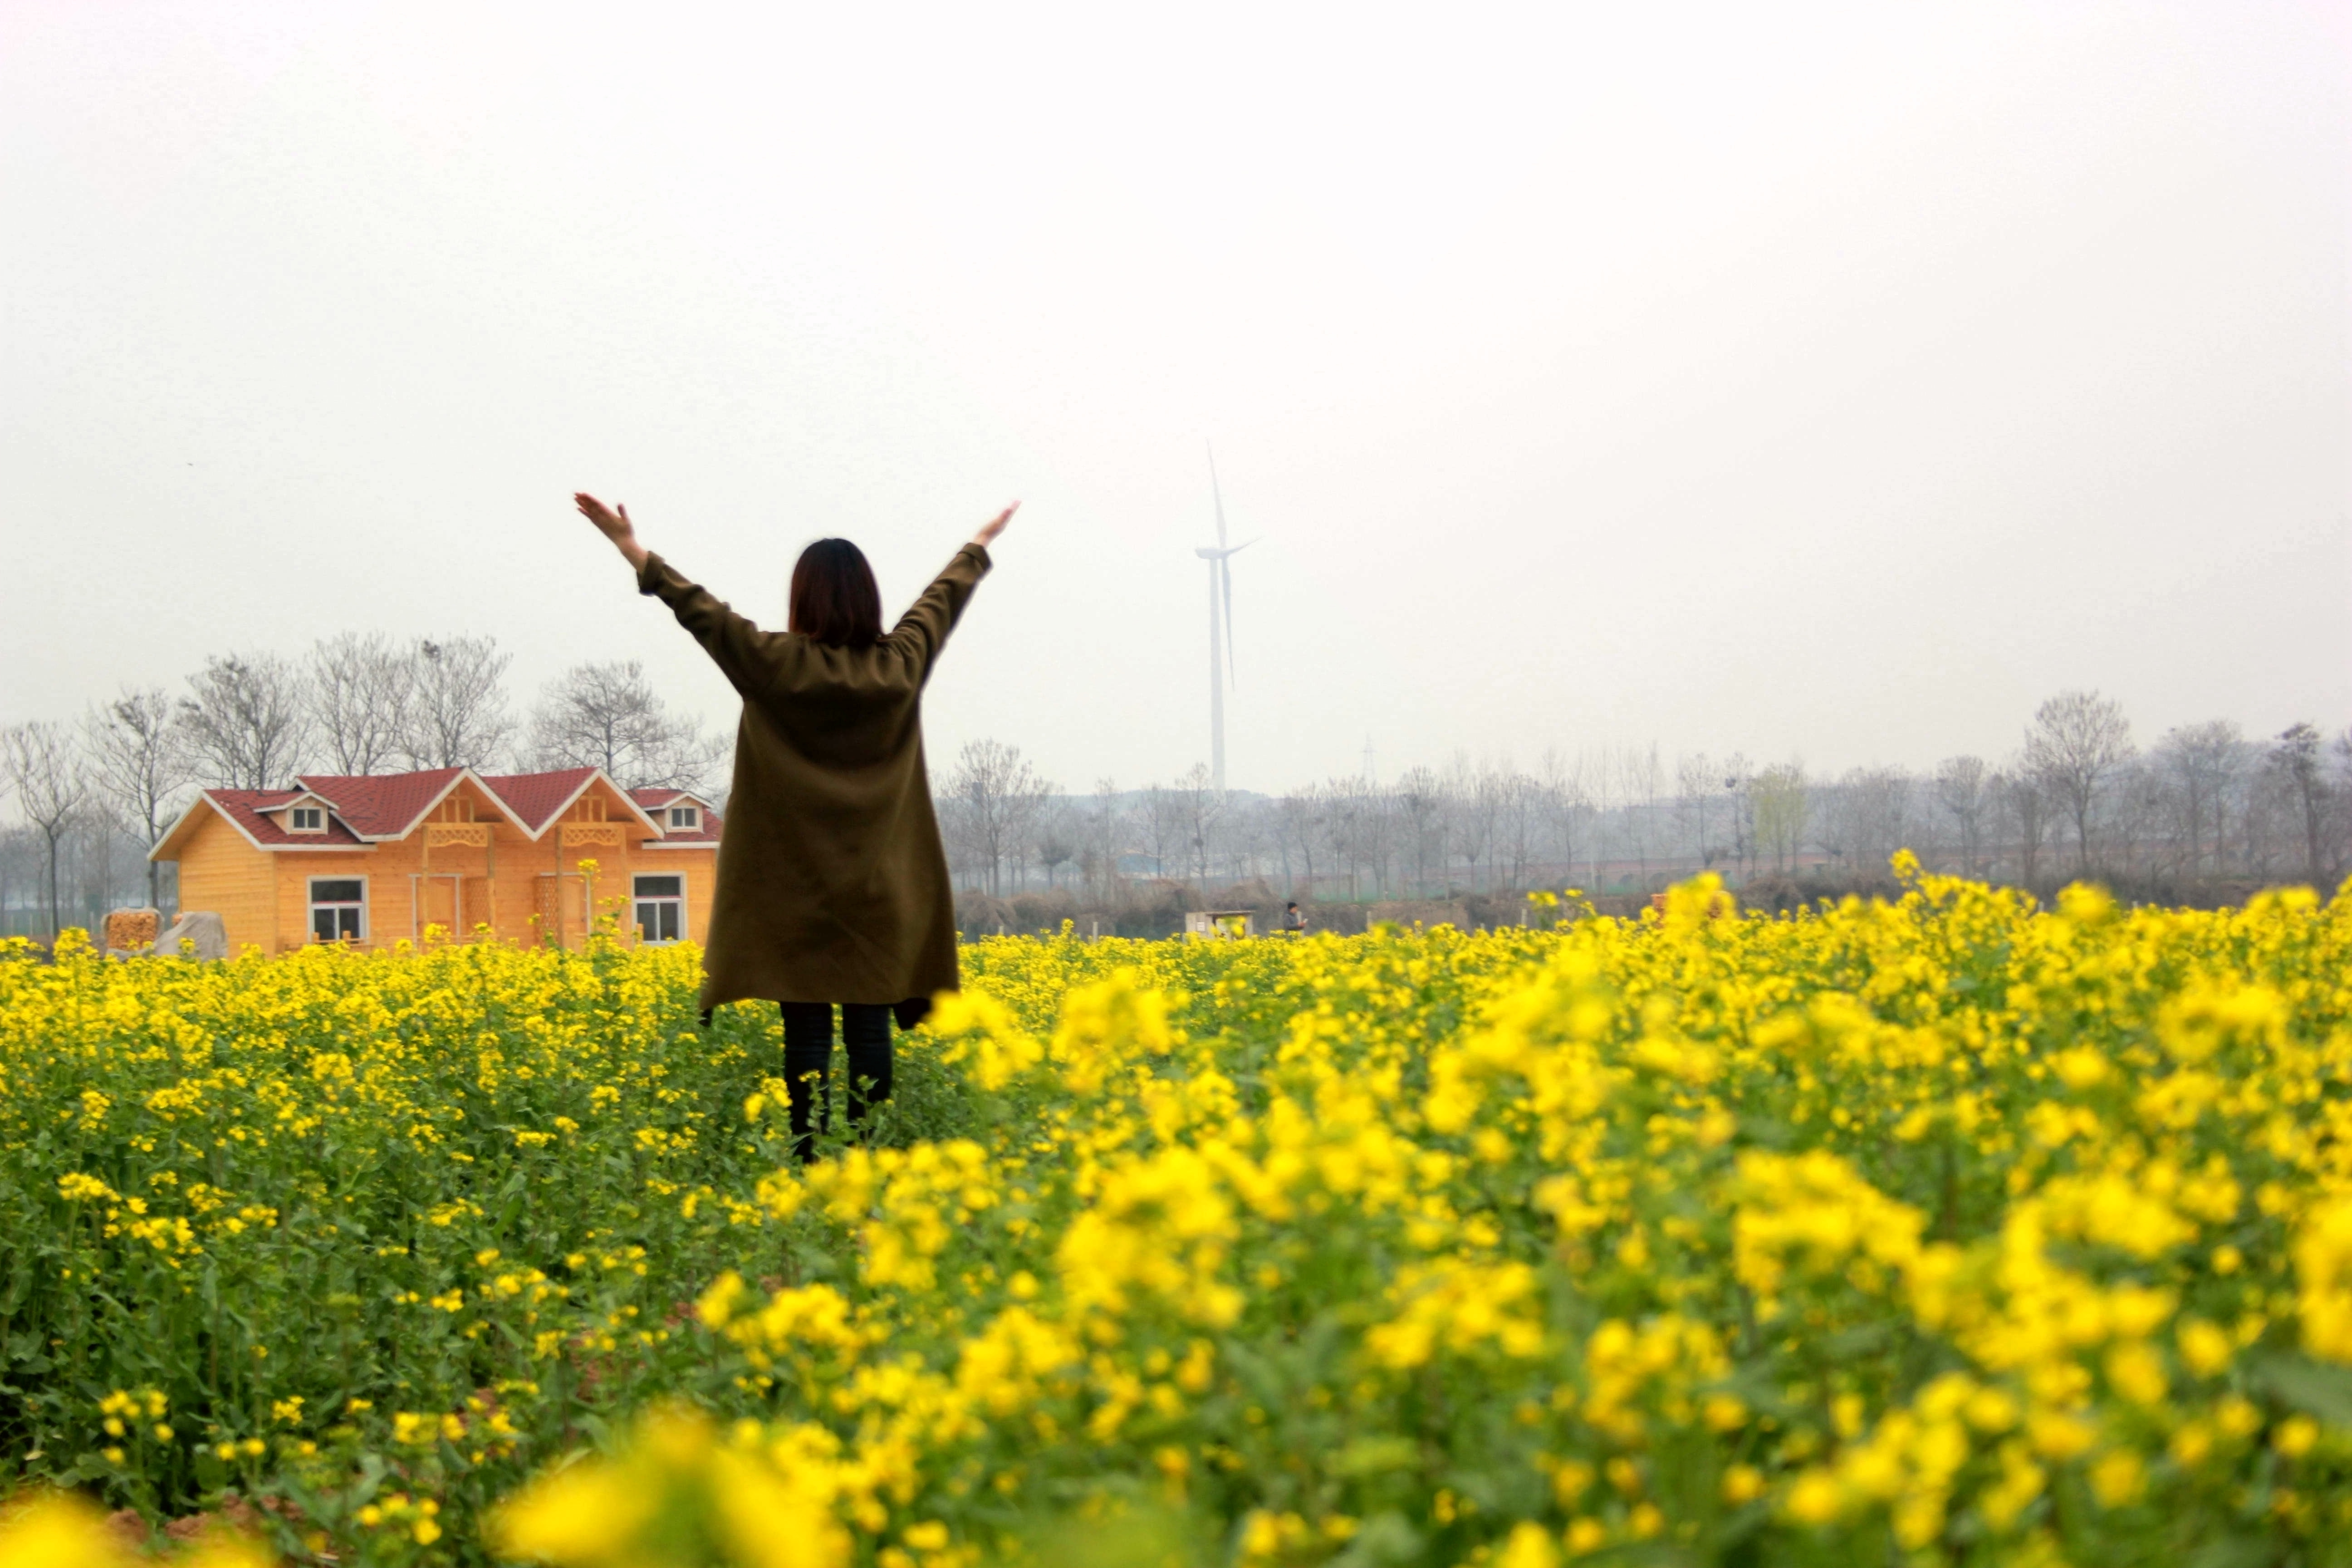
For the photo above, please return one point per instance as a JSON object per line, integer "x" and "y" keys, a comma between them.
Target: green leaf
{"x": 1376, "y": 1456}
{"x": 2234, "y": 1552}
{"x": 2310, "y": 1386}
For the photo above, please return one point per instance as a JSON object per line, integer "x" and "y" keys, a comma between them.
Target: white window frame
{"x": 638, "y": 901}
{"x": 687, "y": 816}
{"x": 311, "y": 891}
{"x": 294, "y": 823}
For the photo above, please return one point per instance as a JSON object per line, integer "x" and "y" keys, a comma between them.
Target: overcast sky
{"x": 1821, "y": 381}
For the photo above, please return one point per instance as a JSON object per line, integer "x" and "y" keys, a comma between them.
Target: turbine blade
{"x": 1219, "y": 495}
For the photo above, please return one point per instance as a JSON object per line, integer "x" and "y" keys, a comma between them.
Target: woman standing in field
{"x": 833, "y": 887}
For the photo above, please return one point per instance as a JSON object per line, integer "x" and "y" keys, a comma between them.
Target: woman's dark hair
{"x": 833, "y": 598}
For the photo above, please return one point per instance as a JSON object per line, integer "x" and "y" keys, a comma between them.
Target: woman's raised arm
{"x": 747, "y": 655}
{"x": 925, "y": 625}
{"x": 614, "y": 524}
{"x": 985, "y": 538}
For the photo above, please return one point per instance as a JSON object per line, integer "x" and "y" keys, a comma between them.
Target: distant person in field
{"x": 833, "y": 887}
{"x": 1293, "y": 918}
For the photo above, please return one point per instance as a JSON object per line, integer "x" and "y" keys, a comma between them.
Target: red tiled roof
{"x": 363, "y": 809}
{"x": 380, "y": 805}
{"x": 244, "y": 807}
{"x": 536, "y": 797}
{"x": 655, "y": 799}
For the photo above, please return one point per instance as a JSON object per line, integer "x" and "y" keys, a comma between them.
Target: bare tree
{"x": 2203, "y": 764}
{"x": 1473, "y": 807}
{"x": 993, "y": 790}
{"x": 1696, "y": 779}
{"x": 18, "y": 855}
{"x": 362, "y": 688}
{"x": 1374, "y": 823}
{"x": 1639, "y": 779}
{"x": 1298, "y": 822}
{"x": 1962, "y": 790}
{"x": 140, "y": 764}
{"x": 1739, "y": 783}
{"x": 1163, "y": 823}
{"x": 1035, "y": 797}
{"x": 246, "y": 722}
{"x": 1519, "y": 826}
{"x": 2297, "y": 761}
{"x": 608, "y": 716}
{"x": 2025, "y": 804}
{"x": 44, "y": 770}
{"x": 2076, "y": 742}
{"x": 2135, "y": 816}
{"x": 1249, "y": 836}
{"x": 1347, "y": 840}
{"x": 1871, "y": 812}
{"x": 458, "y": 715}
{"x": 1053, "y": 834}
{"x": 92, "y": 863}
{"x": 1201, "y": 804}
{"x": 1103, "y": 828}
{"x": 1563, "y": 799}
{"x": 1485, "y": 816}
{"x": 1782, "y": 805}
{"x": 1419, "y": 798}
{"x": 2340, "y": 792}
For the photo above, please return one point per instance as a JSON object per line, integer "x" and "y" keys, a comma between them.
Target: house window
{"x": 309, "y": 819}
{"x": 685, "y": 817}
{"x": 661, "y": 908}
{"x": 339, "y": 908}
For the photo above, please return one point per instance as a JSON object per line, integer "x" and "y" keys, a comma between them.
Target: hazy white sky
{"x": 1834, "y": 381}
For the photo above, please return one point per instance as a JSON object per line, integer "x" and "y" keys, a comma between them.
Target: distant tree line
{"x": 90, "y": 798}
{"x": 2204, "y": 805}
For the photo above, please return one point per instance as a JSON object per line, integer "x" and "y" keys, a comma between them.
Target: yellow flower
{"x": 1527, "y": 1546}
{"x": 2117, "y": 1477}
{"x": 1815, "y": 1499}
{"x": 2138, "y": 1373}
{"x": 56, "y": 1531}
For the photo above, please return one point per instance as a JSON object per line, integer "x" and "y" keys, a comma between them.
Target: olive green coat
{"x": 832, "y": 883}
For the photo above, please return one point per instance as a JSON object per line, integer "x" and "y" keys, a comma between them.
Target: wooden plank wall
{"x": 221, "y": 872}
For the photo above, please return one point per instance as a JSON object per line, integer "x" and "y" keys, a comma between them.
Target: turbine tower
{"x": 1221, "y": 628}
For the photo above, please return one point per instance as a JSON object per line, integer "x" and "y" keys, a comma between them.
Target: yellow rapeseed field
{"x": 1953, "y": 1229}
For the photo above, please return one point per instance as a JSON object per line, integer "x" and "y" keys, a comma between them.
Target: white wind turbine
{"x": 1221, "y": 628}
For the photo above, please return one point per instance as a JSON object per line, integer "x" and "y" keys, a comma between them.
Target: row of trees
{"x": 91, "y": 797}
{"x": 2077, "y": 798}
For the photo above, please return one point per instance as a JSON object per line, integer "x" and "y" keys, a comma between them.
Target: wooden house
{"x": 375, "y": 859}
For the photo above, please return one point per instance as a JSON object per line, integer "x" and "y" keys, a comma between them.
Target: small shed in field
{"x": 1211, "y": 925}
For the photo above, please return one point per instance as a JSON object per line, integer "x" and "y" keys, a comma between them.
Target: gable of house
{"x": 666, "y": 806}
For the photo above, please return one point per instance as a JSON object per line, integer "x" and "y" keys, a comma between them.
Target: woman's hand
{"x": 614, "y": 524}
{"x": 985, "y": 538}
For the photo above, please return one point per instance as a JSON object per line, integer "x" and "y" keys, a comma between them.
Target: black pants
{"x": 808, "y": 1055}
